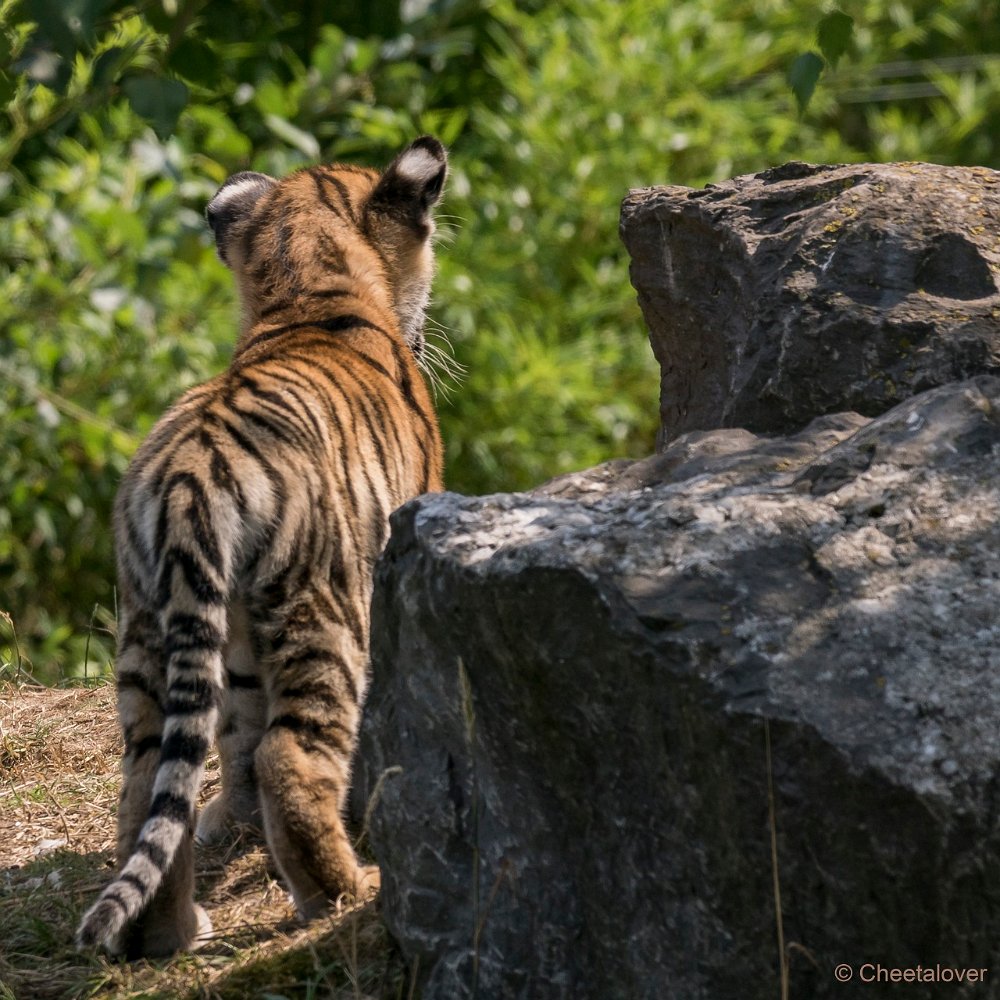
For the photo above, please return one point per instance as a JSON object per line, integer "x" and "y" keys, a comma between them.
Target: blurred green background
{"x": 123, "y": 118}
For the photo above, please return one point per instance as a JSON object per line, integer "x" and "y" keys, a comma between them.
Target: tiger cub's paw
{"x": 367, "y": 882}
{"x": 214, "y": 823}
{"x": 204, "y": 931}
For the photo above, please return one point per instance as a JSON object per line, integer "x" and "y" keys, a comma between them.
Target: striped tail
{"x": 194, "y": 685}
{"x": 191, "y": 591}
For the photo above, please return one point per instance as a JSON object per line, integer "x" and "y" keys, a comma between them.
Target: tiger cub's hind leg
{"x": 241, "y": 726}
{"x": 172, "y": 922}
{"x": 316, "y": 683}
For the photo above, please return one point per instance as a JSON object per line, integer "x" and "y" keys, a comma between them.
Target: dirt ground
{"x": 59, "y": 777}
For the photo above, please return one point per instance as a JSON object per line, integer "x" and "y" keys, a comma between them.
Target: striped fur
{"x": 247, "y": 529}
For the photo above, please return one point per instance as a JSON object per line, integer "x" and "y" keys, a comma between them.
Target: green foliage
{"x": 833, "y": 34}
{"x": 803, "y": 77}
{"x": 99, "y": 259}
{"x": 122, "y": 119}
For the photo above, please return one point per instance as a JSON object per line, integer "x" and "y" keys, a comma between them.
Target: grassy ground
{"x": 59, "y": 778}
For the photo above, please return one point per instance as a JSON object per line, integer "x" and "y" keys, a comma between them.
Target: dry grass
{"x": 59, "y": 764}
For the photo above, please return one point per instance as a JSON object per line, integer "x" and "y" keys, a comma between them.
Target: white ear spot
{"x": 233, "y": 193}
{"x": 418, "y": 165}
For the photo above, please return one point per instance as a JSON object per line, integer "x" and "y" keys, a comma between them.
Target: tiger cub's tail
{"x": 190, "y": 592}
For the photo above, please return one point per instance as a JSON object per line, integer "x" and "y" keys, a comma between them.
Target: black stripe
{"x": 315, "y": 691}
{"x": 195, "y": 577}
{"x": 260, "y": 271}
{"x": 250, "y": 383}
{"x": 425, "y": 470}
{"x": 289, "y": 435}
{"x": 157, "y": 856}
{"x": 244, "y": 681}
{"x": 223, "y": 478}
{"x": 338, "y": 571}
{"x": 406, "y": 385}
{"x": 369, "y": 484}
{"x": 187, "y": 697}
{"x": 370, "y": 361}
{"x": 190, "y": 749}
{"x": 384, "y": 418}
{"x": 344, "y": 194}
{"x": 313, "y": 654}
{"x": 347, "y": 523}
{"x": 341, "y": 439}
{"x": 375, "y": 245}
{"x": 324, "y": 733}
{"x": 144, "y": 746}
{"x": 310, "y": 654}
{"x": 341, "y": 436}
{"x": 200, "y": 521}
{"x": 137, "y": 682}
{"x": 274, "y": 477}
{"x": 203, "y": 531}
{"x": 376, "y": 434}
{"x": 178, "y": 419}
{"x": 334, "y": 324}
{"x": 335, "y": 375}
{"x": 114, "y": 896}
{"x": 179, "y": 707}
{"x": 143, "y": 630}
{"x": 199, "y": 686}
{"x": 131, "y": 879}
{"x": 288, "y": 720}
{"x": 332, "y": 254}
{"x": 191, "y": 632}
{"x": 304, "y": 411}
{"x": 275, "y": 307}
{"x": 276, "y": 399}
{"x": 186, "y": 664}
{"x": 303, "y": 351}
{"x": 305, "y": 405}
{"x": 171, "y": 807}
{"x": 323, "y": 196}
{"x": 367, "y": 397}
{"x": 334, "y": 611}
{"x": 169, "y": 448}
{"x": 390, "y": 424}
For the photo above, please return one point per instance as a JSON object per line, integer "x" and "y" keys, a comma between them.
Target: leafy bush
{"x": 121, "y": 126}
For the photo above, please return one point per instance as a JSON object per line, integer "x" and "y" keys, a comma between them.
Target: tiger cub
{"x": 247, "y": 528}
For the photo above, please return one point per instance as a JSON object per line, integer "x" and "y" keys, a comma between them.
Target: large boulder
{"x": 584, "y": 698}
{"x": 803, "y": 290}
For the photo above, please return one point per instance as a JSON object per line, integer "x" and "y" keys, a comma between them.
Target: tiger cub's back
{"x": 247, "y": 528}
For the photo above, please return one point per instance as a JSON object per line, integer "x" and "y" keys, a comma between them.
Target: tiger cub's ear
{"x": 412, "y": 184}
{"x": 232, "y": 204}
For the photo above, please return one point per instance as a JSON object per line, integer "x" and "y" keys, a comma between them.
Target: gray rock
{"x": 805, "y": 290}
{"x": 573, "y": 690}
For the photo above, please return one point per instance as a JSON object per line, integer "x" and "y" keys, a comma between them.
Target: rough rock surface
{"x": 803, "y": 290}
{"x": 566, "y": 723}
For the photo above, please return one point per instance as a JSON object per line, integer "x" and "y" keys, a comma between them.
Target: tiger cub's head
{"x": 332, "y": 231}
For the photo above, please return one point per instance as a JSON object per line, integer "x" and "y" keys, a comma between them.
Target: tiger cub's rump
{"x": 247, "y": 528}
